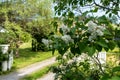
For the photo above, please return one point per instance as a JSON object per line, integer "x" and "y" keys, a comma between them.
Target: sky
{"x": 99, "y": 12}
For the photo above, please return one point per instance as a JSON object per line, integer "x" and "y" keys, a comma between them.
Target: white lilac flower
{"x": 95, "y": 30}
{"x": 106, "y": 41}
{"x": 91, "y": 23}
{"x": 90, "y": 38}
{"x": 47, "y": 42}
{"x": 70, "y": 61}
{"x": 80, "y": 58}
{"x": 55, "y": 36}
{"x": 50, "y": 46}
{"x": 83, "y": 31}
{"x": 91, "y": 26}
{"x": 102, "y": 28}
{"x": 90, "y": 29}
{"x": 65, "y": 29}
{"x": 67, "y": 38}
{"x": 79, "y": 29}
{"x": 50, "y": 41}
{"x": 65, "y": 55}
{"x": 99, "y": 32}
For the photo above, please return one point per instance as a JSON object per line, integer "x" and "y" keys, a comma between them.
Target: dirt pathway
{"x": 49, "y": 76}
{"x": 27, "y": 70}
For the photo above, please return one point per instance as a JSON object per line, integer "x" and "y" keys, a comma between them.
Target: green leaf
{"x": 81, "y": 3}
{"x": 82, "y": 46}
{"x": 89, "y": 1}
{"x": 111, "y": 45}
{"x": 99, "y": 48}
{"x": 115, "y": 78}
{"x": 75, "y": 50}
{"x": 103, "y": 20}
{"x": 106, "y": 32}
{"x": 90, "y": 50}
{"x": 102, "y": 43}
{"x": 95, "y": 10}
{"x": 71, "y": 14}
{"x": 62, "y": 51}
{"x": 53, "y": 51}
{"x": 105, "y": 77}
{"x": 73, "y": 30}
{"x": 72, "y": 49}
{"x": 106, "y": 49}
{"x": 55, "y": 25}
{"x": 115, "y": 69}
{"x": 55, "y": 8}
{"x": 110, "y": 15}
{"x": 115, "y": 12}
{"x": 87, "y": 20}
{"x": 78, "y": 50}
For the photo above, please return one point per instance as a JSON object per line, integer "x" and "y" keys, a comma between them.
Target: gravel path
{"x": 27, "y": 70}
{"x": 49, "y": 76}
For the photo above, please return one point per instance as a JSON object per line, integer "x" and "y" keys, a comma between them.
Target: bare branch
{"x": 118, "y": 16}
{"x": 95, "y": 58}
{"x": 104, "y": 6}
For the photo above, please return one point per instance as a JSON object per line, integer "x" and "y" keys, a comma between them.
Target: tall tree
{"x": 19, "y": 16}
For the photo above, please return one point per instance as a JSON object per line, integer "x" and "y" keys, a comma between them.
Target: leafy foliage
{"x": 5, "y": 38}
{"x": 85, "y": 32}
{"x": 21, "y": 18}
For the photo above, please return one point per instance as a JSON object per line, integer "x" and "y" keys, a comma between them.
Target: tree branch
{"x": 118, "y": 16}
{"x": 98, "y": 63}
{"x": 104, "y": 6}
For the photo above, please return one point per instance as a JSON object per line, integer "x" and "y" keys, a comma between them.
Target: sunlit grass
{"x": 115, "y": 50}
{"x": 37, "y": 74}
{"x": 27, "y": 57}
{"x": 113, "y": 57}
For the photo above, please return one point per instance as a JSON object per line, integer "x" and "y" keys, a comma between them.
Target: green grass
{"x": 39, "y": 73}
{"x": 115, "y": 50}
{"x": 27, "y": 57}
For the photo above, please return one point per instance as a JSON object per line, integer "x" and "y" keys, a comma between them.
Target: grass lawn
{"x": 28, "y": 57}
{"x": 116, "y": 50}
{"x": 113, "y": 57}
